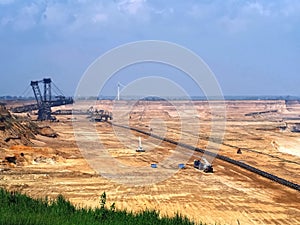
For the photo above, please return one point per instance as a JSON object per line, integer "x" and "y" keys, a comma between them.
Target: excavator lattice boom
{"x": 44, "y": 101}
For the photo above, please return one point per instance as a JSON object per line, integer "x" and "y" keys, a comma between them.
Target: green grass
{"x": 19, "y": 209}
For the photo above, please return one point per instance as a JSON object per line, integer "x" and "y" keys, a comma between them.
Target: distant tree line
{"x": 156, "y": 98}
{"x": 9, "y": 97}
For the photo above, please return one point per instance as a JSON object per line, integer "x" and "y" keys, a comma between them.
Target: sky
{"x": 252, "y": 47}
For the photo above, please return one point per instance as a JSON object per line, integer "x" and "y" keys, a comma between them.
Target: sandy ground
{"x": 71, "y": 163}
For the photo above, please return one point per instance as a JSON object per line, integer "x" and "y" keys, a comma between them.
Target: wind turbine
{"x": 118, "y": 86}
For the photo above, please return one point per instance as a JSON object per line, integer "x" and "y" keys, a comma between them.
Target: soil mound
{"x": 13, "y": 130}
{"x": 20, "y": 130}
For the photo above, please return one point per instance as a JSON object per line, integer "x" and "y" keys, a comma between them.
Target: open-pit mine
{"x": 81, "y": 157}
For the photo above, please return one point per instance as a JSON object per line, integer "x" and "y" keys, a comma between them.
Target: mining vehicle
{"x": 96, "y": 115}
{"x": 205, "y": 165}
{"x": 44, "y": 100}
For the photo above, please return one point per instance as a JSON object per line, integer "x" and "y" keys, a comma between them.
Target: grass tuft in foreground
{"x": 19, "y": 209}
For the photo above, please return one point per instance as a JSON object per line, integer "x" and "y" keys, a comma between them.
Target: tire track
{"x": 218, "y": 156}
{"x": 244, "y": 149}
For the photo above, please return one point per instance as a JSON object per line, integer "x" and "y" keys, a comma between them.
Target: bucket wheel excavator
{"x": 44, "y": 101}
